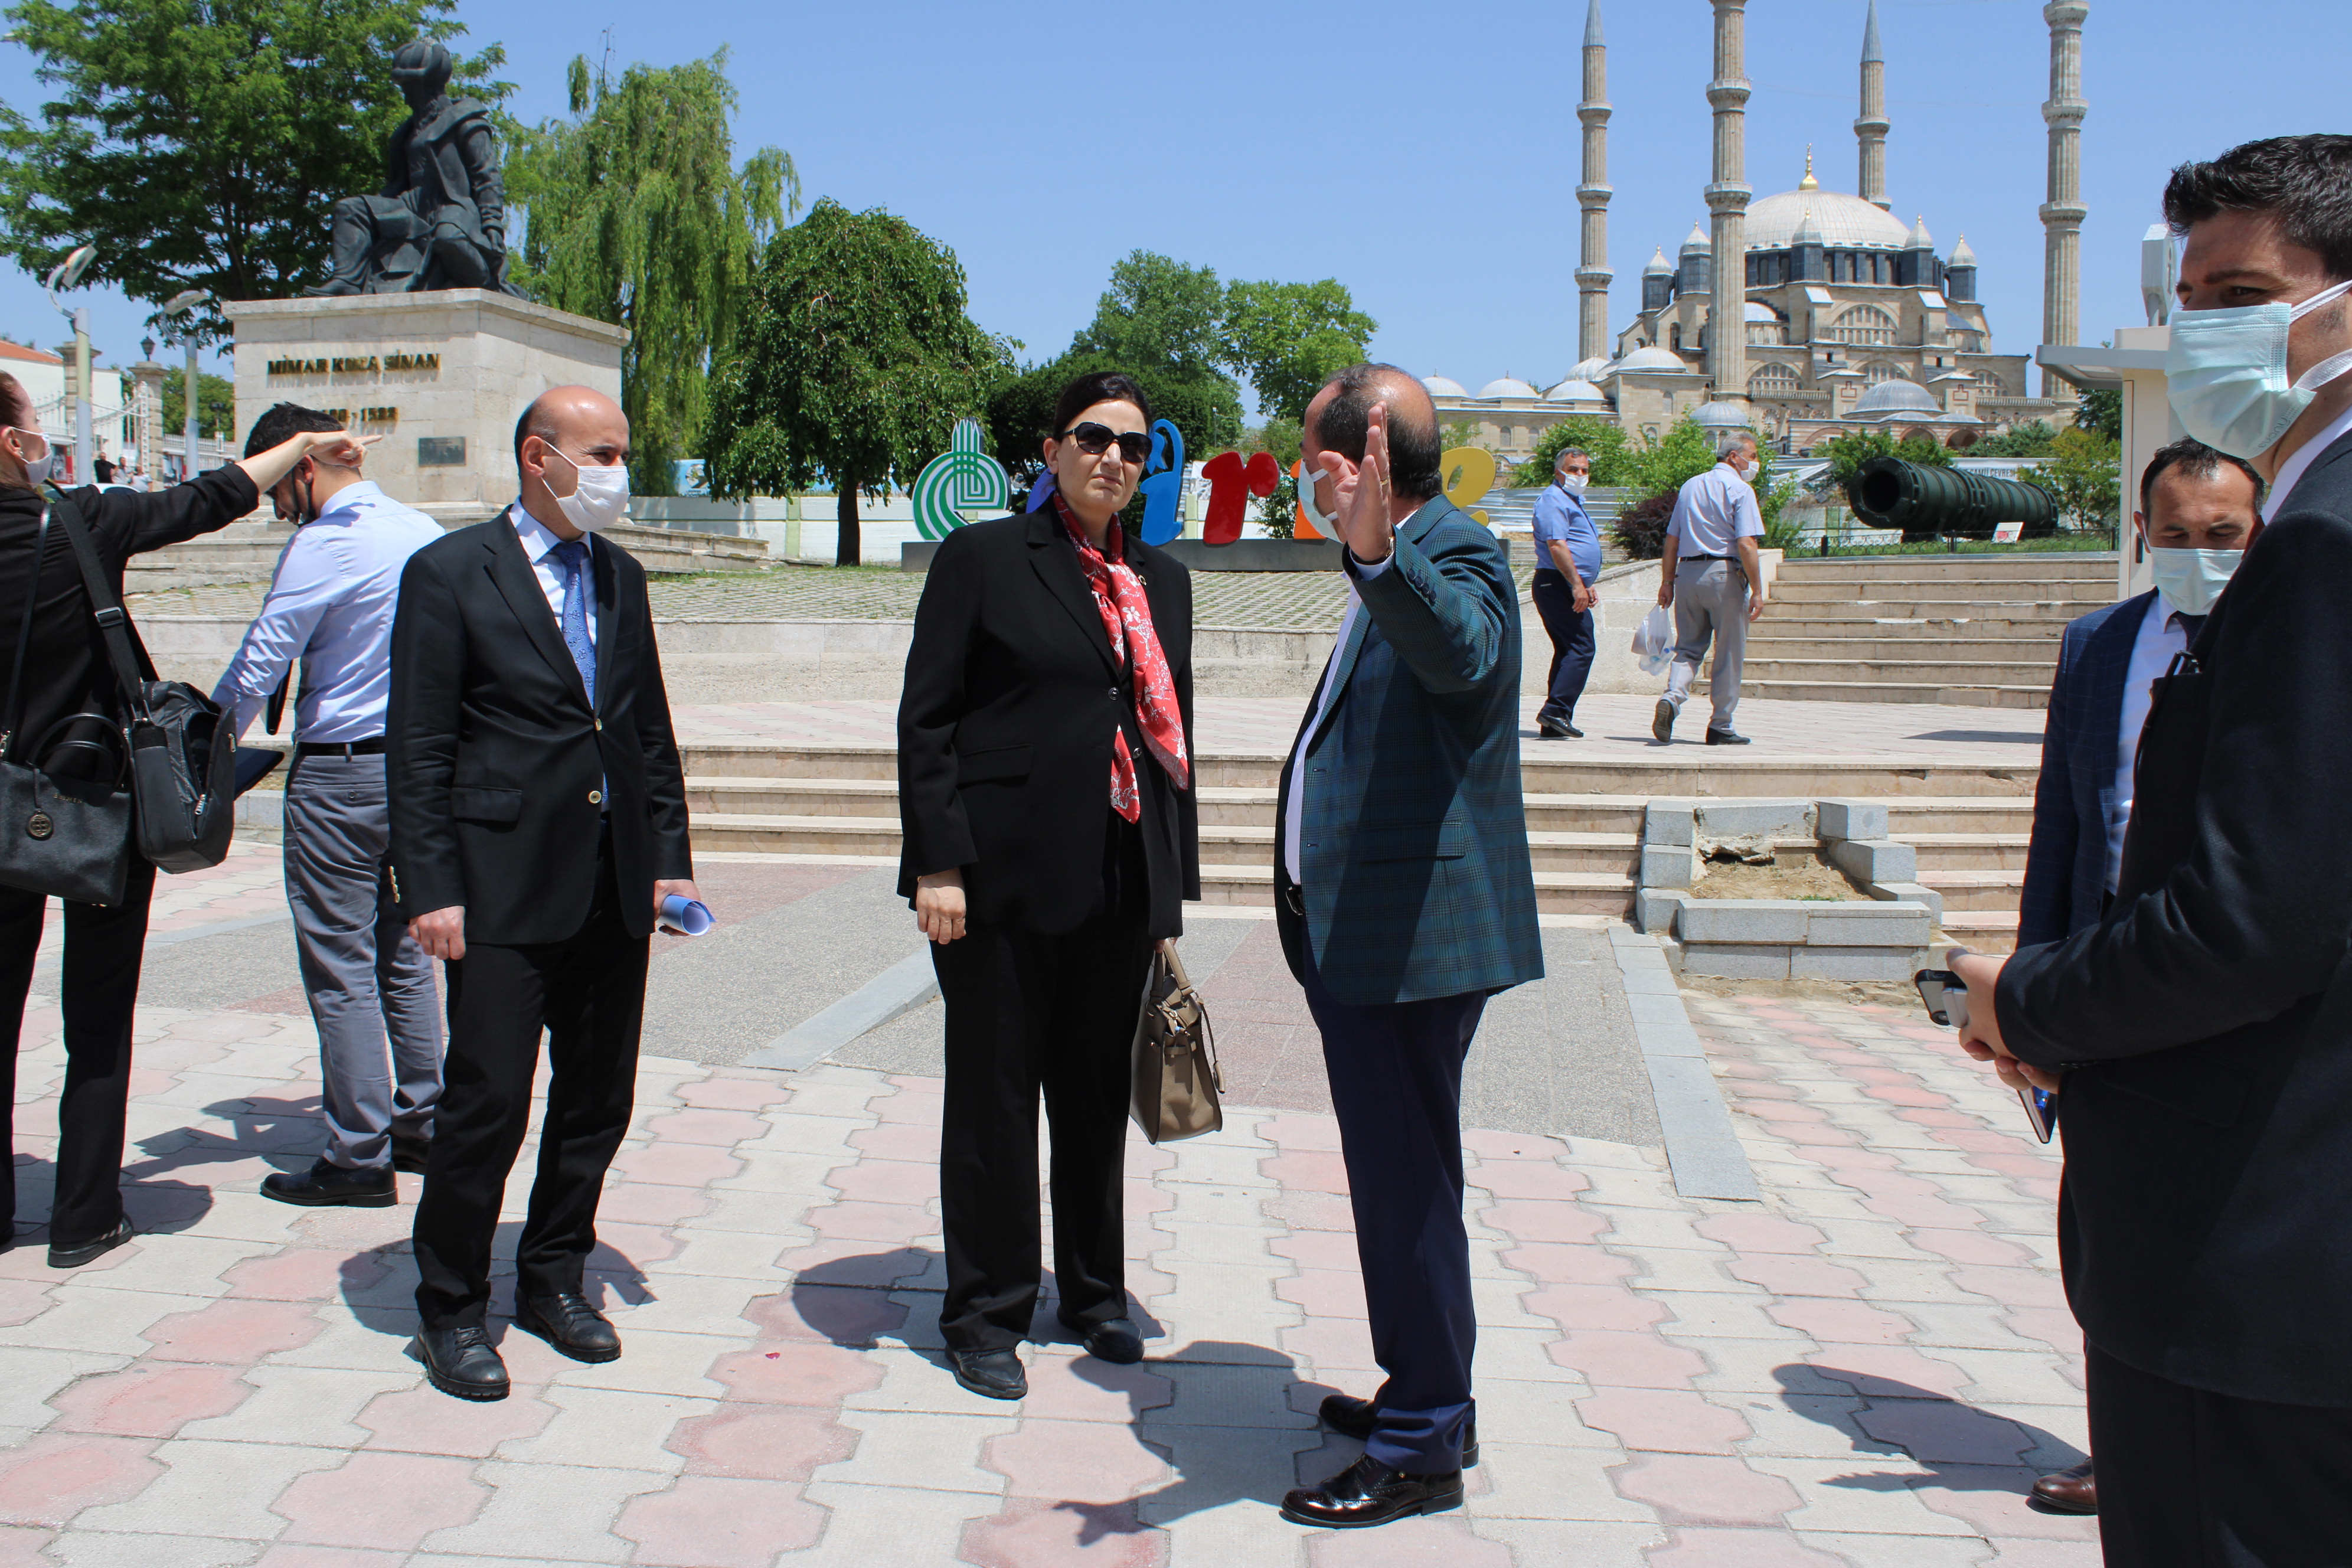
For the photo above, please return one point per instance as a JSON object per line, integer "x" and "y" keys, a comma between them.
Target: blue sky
{"x": 1425, "y": 156}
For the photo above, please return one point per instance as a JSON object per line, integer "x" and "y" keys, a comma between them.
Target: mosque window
{"x": 1773, "y": 379}
{"x": 1768, "y": 334}
{"x": 1865, "y": 324}
{"x": 1879, "y": 371}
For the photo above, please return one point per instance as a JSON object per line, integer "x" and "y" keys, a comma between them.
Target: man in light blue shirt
{"x": 330, "y": 604}
{"x": 1567, "y": 569}
{"x": 1713, "y": 576}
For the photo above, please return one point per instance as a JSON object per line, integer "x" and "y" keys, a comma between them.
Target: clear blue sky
{"x": 1425, "y": 156}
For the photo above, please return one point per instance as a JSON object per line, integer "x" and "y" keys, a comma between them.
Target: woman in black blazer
{"x": 1050, "y": 839}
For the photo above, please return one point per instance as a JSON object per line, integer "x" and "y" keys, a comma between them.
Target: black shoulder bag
{"x": 68, "y": 833}
{"x": 182, "y": 764}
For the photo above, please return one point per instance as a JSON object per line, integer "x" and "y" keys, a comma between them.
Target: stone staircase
{"x": 246, "y": 552}
{"x": 1974, "y": 630}
{"x": 1971, "y": 851}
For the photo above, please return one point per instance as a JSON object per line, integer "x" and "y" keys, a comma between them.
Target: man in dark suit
{"x": 2201, "y": 1031}
{"x": 1404, "y": 899}
{"x": 538, "y": 822}
{"x": 2198, "y": 508}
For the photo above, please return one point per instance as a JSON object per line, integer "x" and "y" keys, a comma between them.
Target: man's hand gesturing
{"x": 1364, "y": 510}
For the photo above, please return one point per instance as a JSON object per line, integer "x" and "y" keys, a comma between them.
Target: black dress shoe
{"x": 569, "y": 1325}
{"x": 1368, "y": 1493}
{"x": 325, "y": 1182}
{"x": 462, "y": 1362}
{"x": 991, "y": 1374}
{"x": 1353, "y": 1418}
{"x": 1551, "y": 731}
{"x": 81, "y": 1252}
{"x": 2071, "y": 1490}
{"x": 1725, "y": 738}
{"x": 1662, "y": 720}
{"x": 408, "y": 1153}
{"x": 1118, "y": 1342}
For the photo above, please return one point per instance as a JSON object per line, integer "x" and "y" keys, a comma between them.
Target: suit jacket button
{"x": 1114, "y": 694}
{"x": 595, "y": 797}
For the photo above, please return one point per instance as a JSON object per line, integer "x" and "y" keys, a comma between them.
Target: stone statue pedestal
{"x": 441, "y": 377}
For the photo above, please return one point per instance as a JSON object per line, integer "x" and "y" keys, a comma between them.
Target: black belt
{"x": 372, "y": 747}
{"x": 1707, "y": 557}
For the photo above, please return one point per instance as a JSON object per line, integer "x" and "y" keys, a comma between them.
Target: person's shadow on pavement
{"x": 1963, "y": 1449}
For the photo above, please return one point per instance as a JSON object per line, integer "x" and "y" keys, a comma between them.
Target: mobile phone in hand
{"x": 1946, "y": 997}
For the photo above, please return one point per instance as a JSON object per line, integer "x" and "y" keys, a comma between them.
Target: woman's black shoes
{"x": 1368, "y": 1492}
{"x": 82, "y": 1252}
{"x": 1118, "y": 1342}
{"x": 991, "y": 1374}
{"x": 1353, "y": 1418}
{"x": 462, "y": 1362}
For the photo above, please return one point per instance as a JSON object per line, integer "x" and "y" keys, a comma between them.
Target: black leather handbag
{"x": 65, "y": 814}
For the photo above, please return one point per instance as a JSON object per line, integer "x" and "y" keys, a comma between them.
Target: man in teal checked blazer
{"x": 1404, "y": 900}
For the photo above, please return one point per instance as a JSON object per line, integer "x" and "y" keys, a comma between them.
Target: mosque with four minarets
{"x": 1851, "y": 318}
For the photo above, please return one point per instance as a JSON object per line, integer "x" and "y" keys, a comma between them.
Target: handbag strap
{"x": 16, "y": 712}
{"x": 132, "y": 667}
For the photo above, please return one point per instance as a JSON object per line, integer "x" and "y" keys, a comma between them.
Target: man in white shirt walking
{"x": 331, "y": 604}
{"x": 1712, "y": 577}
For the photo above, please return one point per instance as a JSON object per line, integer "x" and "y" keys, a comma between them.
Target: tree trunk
{"x": 845, "y": 513}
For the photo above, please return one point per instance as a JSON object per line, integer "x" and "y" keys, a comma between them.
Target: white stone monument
{"x": 441, "y": 375}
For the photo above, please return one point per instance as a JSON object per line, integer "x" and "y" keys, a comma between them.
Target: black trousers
{"x": 1026, "y": 1012}
{"x": 99, "y": 993}
{"x": 589, "y": 995}
{"x": 2189, "y": 1478}
{"x": 1570, "y": 630}
{"x": 1396, "y": 1087}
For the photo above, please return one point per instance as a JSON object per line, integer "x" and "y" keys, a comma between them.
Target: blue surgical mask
{"x": 2225, "y": 373}
{"x": 2190, "y": 579}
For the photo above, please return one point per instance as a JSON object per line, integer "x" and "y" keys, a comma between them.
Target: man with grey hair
{"x": 1568, "y": 568}
{"x": 1711, "y": 574}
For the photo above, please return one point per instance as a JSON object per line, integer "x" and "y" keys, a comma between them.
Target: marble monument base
{"x": 440, "y": 376}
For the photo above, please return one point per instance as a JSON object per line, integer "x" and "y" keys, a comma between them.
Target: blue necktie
{"x": 572, "y": 556}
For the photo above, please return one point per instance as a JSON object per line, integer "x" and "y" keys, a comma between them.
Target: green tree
{"x": 1021, "y": 409}
{"x": 199, "y": 144}
{"x": 2085, "y": 471}
{"x": 638, "y": 216}
{"x": 1613, "y": 460}
{"x": 1660, "y": 467}
{"x": 854, "y": 361}
{"x": 1847, "y": 453}
{"x": 2034, "y": 438}
{"x": 1164, "y": 323}
{"x": 1288, "y": 339}
{"x": 215, "y": 405}
{"x": 2101, "y": 412}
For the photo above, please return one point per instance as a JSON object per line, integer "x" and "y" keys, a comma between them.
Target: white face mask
{"x": 2190, "y": 579}
{"x": 1576, "y": 481}
{"x": 2225, "y": 373}
{"x": 599, "y": 500}
{"x": 1322, "y": 523}
{"x": 36, "y": 470}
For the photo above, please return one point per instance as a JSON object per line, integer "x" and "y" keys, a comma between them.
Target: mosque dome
{"x": 1761, "y": 313}
{"x": 1575, "y": 389}
{"x": 1844, "y": 222}
{"x": 1507, "y": 386}
{"x": 1659, "y": 266}
{"x": 1441, "y": 387}
{"x": 1591, "y": 370}
{"x": 1961, "y": 255}
{"x": 1653, "y": 358}
{"x": 1720, "y": 416}
{"x": 1892, "y": 399}
{"x": 1697, "y": 240}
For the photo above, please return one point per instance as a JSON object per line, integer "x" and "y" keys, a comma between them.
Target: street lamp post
{"x": 65, "y": 275}
{"x": 179, "y": 306}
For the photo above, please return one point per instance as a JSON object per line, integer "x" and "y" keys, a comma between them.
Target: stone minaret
{"x": 1726, "y": 198}
{"x": 1592, "y": 274}
{"x": 1871, "y": 129}
{"x": 2062, "y": 215}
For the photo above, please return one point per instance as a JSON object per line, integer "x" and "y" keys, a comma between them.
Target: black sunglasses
{"x": 1095, "y": 439}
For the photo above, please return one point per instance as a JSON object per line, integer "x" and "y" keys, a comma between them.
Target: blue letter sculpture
{"x": 1163, "y": 486}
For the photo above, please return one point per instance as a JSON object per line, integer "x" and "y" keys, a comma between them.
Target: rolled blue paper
{"x": 687, "y": 917}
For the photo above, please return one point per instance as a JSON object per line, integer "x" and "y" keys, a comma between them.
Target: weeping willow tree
{"x": 637, "y": 215}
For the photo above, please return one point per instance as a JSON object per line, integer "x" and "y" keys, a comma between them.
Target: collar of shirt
{"x": 537, "y": 538}
{"x": 2306, "y": 455}
{"x": 354, "y": 497}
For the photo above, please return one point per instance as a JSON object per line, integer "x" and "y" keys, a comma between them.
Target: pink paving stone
{"x": 305, "y": 1274}
{"x": 1034, "y": 1533}
{"x": 717, "y": 1521}
{"x": 1323, "y": 1249}
{"x": 1311, "y": 1211}
{"x": 1332, "y": 1344}
{"x": 1080, "y": 1388}
{"x": 1310, "y": 1170}
{"x": 1784, "y": 1112}
{"x": 426, "y": 1421}
{"x": 1529, "y": 1179}
{"x": 1568, "y": 1263}
{"x": 1886, "y": 1183}
{"x": 144, "y": 1401}
{"x": 845, "y": 1260}
{"x": 1936, "y": 1431}
{"x": 886, "y": 1181}
{"x": 234, "y": 1332}
{"x": 1737, "y": 1549}
{"x": 1933, "y": 1213}
{"x": 1072, "y": 1461}
{"x": 22, "y": 1301}
{"x": 1992, "y": 1500}
{"x": 677, "y": 1165}
{"x": 2026, "y": 1165}
{"x": 285, "y": 1556}
{"x": 1530, "y": 1219}
{"x": 1664, "y": 1420}
{"x": 734, "y": 1093}
{"x": 1144, "y": 1161}
{"x": 1846, "y": 1322}
{"x": 22, "y": 1548}
{"x": 1326, "y": 1292}
{"x": 1302, "y": 1133}
{"x": 2012, "y": 1287}
{"x": 793, "y": 1372}
{"x": 898, "y": 1141}
{"x": 1946, "y": 1119}
{"x": 1909, "y": 1094}
{"x": 387, "y": 1501}
{"x": 1811, "y": 1136}
{"x": 761, "y": 1442}
{"x": 873, "y": 1221}
{"x": 1969, "y": 1246}
{"x": 646, "y": 1203}
{"x": 706, "y": 1125}
{"x": 1785, "y": 1274}
{"x": 619, "y": 1243}
{"x": 1595, "y": 1306}
{"x": 1442, "y": 1543}
{"x": 54, "y": 1476}
{"x": 1759, "y": 1233}
{"x": 1703, "y": 1489}
{"x": 2053, "y": 1326}
{"x": 1895, "y": 1372}
{"x": 1616, "y": 1359}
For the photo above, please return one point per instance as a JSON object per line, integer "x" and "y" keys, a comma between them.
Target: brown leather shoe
{"x": 2069, "y": 1490}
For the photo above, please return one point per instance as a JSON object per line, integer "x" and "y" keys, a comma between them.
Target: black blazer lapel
{"x": 608, "y": 613}
{"x": 1056, "y": 565}
{"x": 511, "y": 573}
{"x": 2106, "y": 659}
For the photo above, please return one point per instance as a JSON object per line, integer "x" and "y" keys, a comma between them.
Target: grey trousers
{"x": 371, "y": 986}
{"x": 1710, "y": 604}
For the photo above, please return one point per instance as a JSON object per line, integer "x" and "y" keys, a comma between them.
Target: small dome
{"x": 1507, "y": 386}
{"x": 1575, "y": 389}
{"x": 1439, "y": 386}
{"x": 1698, "y": 240}
{"x": 1720, "y": 416}
{"x": 1591, "y": 370}
{"x": 1653, "y": 358}
{"x": 1961, "y": 255}
{"x": 1920, "y": 239}
{"x": 1892, "y": 399}
{"x": 1659, "y": 266}
{"x": 1757, "y": 312}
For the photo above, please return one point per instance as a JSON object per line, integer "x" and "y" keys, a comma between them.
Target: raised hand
{"x": 1364, "y": 511}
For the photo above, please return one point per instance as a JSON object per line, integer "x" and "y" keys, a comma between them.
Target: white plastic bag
{"x": 1653, "y": 641}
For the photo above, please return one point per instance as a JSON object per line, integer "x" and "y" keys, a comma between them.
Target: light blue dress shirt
{"x": 1712, "y": 510}
{"x": 1560, "y": 515}
{"x": 330, "y": 604}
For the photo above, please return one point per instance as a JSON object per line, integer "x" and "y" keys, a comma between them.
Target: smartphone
{"x": 1946, "y": 997}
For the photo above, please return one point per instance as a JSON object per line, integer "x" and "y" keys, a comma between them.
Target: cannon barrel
{"x": 1926, "y": 503}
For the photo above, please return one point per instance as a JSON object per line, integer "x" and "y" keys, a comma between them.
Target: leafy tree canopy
{"x": 1021, "y": 408}
{"x": 2085, "y": 471}
{"x": 1848, "y": 452}
{"x": 639, "y": 217}
{"x": 199, "y": 144}
{"x": 1613, "y": 453}
{"x": 2102, "y": 412}
{"x": 2034, "y": 438}
{"x": 854, "y": 360}
{"x": 1288, "y": 339}
{"x": 216, "y": 407}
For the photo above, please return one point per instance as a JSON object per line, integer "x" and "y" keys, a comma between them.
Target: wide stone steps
{"x": 1851, "y": 650}
{"x": 1977, "y": 891}
{"x": 1902, "y": 671}
{"x": 1967, "y": 851}
{"x": 1971, "y": 567}
{"x": 1893, "y": 691}
{"x": 1910, "y": 819}
{"x": 2034, "y": 627}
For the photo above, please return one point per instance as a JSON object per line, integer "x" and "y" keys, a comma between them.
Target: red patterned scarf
{"x": 1126, "y": 621}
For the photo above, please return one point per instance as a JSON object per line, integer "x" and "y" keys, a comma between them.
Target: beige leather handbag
{"x": 1177, "y": 1080}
